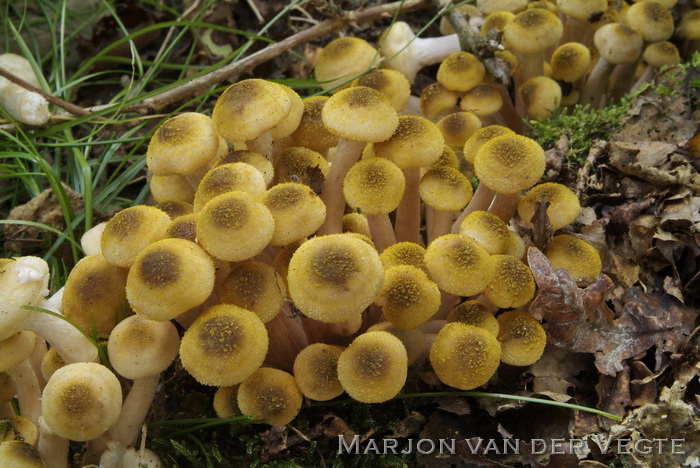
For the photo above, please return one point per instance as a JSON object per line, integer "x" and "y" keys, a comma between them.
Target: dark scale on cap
{"x": 531, "y": 19}
{"x": 404, "y": 291}
{"x": 333, "y": 265}
{"x": 274, "y": 399}
{"x": 77, "y": 399}
{"x": 229, "y": 213}
{"x": 220, "y": 180}
{"x": 463, "y": 254}
{"x": 371, "y": 362}
{"x": 375, "y": 178}
{"x": 126, "y": 222}
{"x": 159, "y": 268}
{"x": 240, "y": 95}
{"x": 375, "y": 80}
{"x": 172, "y": 130}
{"x": 363, "y": 97}
{"x": 285, "y": 197}
{"x": 248, "y": 285}
{"x": 183, "y": 228}
{"x": 220, "y": 336}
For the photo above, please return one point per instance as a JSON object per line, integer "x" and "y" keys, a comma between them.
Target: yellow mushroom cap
{"x": 298, "y": 164}
{"x": 461, "y": 71}
{"x": 474, "y": 313}
{"x": 234, "y": 226}
{"x": 254, "y": 286}
{"x": 417, "y": 142}
{"x": 16, "y": 348}
{"x": 18, "y": 428}
{"x": 515, "y": 246}
{"x": 357, "y": 223}
{"x": 184, "y": 227}
{"x": 533, "y": 31}
{"x": 228, "y": 178}
{"x": 481, "y": 101}
{"x": 509, "y": 163}
{"x": 391, "y": 83}
{"x": 660, "y": 54}
{"x": 360, "y": 114}
{"x": 522, "y": 338}
{"x": 413, "y": 340}
{"x": 297, "y": 210}
{"x": 404, "y": 253}
{"x": 582, "y": 9}
{"x": 174, "y": 208}
{"x": 247, "y": 109}
{"x": 182, "y": 145}
{"x": 374, "y": 185}
{"x": 488, "y": 7}
{"x": 343, "y": 59}
{"x": 291, "y": 121}
{"x": 457, "y": 127}
{"x": 408, "y": 298}
{"x": 448, "y": 158}
{"x": 224, "y": 345}
{"x": 316, "y": 371}
{"x": 171, "y": 187}
{"x": 257, "y": 160}
{"x": 689, "y": 25}
{"x": 513, "y": 284}
{"x": 445, "y": 188}
{"x": 436, "y": 100}
{"x": 93, "y": 297}
{"x": 618, "y": 43}
{"x": 652, "y": 20}
{"x": 487, "y": 229}
{"x": 168, "y": 278}
{"x": 50, "y": 363}
{"x": 497, "y": 20}
{"x": 282, "y": 259}
{"x": 334, "y": 278}
{"x": 563, "y": 208}
{"x": 541, "y": 96}
{"x": 459, "y": 265}
{"x": 270, "y": 394}
{"x": 81, "y": 401}
{"x": 464, "y": 356}
{"x": 139, "y": 347}
{"x": 480, "y": 137}
{"x": 130, "y": 231}
{"x": 576, "y": 256}
{"x": 374, "y": 367}
{"x": 20, "y": 454}
{"x": 570, "y": 61}
{"x": 311, "y": 133}
{"x": 226, "y": 402}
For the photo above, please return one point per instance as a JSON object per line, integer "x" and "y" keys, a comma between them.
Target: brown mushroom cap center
{"x": 283, "y": 198}
{"x": 334, "y": 266}
{"x": 371, "y": 363}
{"x": 232, "y": 214}
{"x": 219, "y": 336}
{"x": 78, "y": 399}
{"x": 159, "y": 268}
{"x": 126, "y": 222}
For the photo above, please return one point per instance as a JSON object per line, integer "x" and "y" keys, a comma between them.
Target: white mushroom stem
{"x": 438, "y": 222}
{"x": 28, "y": 390}
{"x": 23, "y": 105}
{"x": 134, "y": 410}
{"x": 347, "y": 153}
{"x": 504, "y": 206}
{"x": 382, "y": 231}
{"x": 405, "y": 52}
{"x": 597, "y": 83}
{"x": 407, "y": 226}
{"x": 52, "y": 448}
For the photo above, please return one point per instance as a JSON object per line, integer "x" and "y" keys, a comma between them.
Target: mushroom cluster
{"x": 305, "y": 248}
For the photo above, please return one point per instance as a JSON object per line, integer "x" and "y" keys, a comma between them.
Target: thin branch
{"x": 72, "y": 108}
{"x": 232, "y": 71}
{"x": 482, "y": 47}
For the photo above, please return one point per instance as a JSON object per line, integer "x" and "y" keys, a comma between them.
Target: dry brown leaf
{"x": 579, "y": 320}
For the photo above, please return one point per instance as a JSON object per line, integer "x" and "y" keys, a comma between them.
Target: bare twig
{"x": 231, "y": 72}
{"x": 72, "y": 108}
{"x": 598, "y": 148}
{"x": 482, "y": 47}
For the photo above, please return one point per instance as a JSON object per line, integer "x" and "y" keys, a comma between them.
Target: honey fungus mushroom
{"x": 464, "y": 356}
{"x": 513, "y": 284}
{"x": 81, "y": 401}
{"x": 224, "y": 345}
{"x": 408, "y": 298}
{"x": 93, "y": 297}
{"x": 182, "y": 145}
{"x": 576, "y": 256}
{"x": 459, "y": 265}
{"x": 297, "y": 210}
{"x": 373, "y": 368}
{"x": 168, "y": 278}
{"x": 270, "y": 394}
{"x": 522, "y": 338}
{"x": 254, "y": 286}
{"x": 130, "y": 231}
{"x": 316, "y": 371}
{"x": 563, "y": 208}
{"x": 334, "y": 278}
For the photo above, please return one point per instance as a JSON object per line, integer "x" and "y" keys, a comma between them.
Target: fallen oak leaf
{"x": 579, "y": 320}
